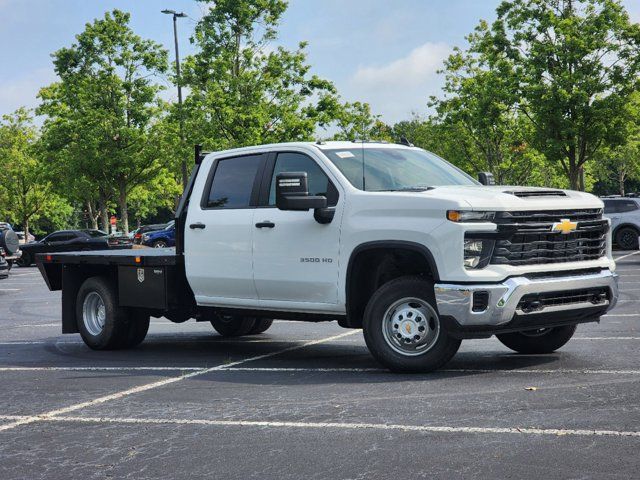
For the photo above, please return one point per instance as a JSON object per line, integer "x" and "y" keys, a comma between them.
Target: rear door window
{"x": 233, "y": 182}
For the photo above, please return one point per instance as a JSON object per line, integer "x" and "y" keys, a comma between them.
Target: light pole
{"x": 177, "y": 15}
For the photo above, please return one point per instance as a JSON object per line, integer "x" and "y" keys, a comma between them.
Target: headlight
{"x": 477, "y": 253}
{"x": 469, "y": 216}
{"x": 145, "y": 238}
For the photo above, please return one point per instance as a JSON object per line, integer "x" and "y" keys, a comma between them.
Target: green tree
{"x": 101, "y": 110}
{"x": 25, "y": 185}
{"x": 245, "y": 92}
{"x": 355, "y": 121}
{"x": 479, "y": 110}
{"x": 618, "y": 165}
{"x": 573, "y": 65}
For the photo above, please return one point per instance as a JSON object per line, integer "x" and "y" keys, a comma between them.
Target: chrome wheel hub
{"x": 411, "y": 326}
{"x": 94, "y": 313}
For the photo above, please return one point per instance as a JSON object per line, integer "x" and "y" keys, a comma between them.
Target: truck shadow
{"x": 315, "y": 364}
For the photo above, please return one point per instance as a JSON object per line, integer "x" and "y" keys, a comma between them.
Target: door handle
{"x": 265, "y": 224}
{"x": 199, "y": 225}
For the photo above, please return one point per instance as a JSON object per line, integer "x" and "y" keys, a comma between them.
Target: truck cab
{"x": 388, "y": 238}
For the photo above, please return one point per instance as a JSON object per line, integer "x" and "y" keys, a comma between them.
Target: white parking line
{"x": 341, "y": 426}
{"x": 35, "y": 325}
{"x": 170, "y": 339}
{"x": 625, "y": 256}
{"x": 9, "y": 289}
{"x": 223, "y": 369}
{"x": 446, "y": 370}
{"x": 99, "y": 369}
{"x": 622, "y": 315}
{"x": 167, "y": 381}
{"x": 605, "y": 338}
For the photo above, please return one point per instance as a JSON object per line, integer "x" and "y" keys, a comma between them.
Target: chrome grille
{"x": 526, "y": 238}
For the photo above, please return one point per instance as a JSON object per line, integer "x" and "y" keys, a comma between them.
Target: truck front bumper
{"x": 525, "y": 302}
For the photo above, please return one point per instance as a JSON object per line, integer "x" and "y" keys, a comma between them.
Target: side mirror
{"x": 292, "y": 193}
{"x": 486, "y": 178}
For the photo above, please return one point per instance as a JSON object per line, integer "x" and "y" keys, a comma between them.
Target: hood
{"x": 504, "y": 198}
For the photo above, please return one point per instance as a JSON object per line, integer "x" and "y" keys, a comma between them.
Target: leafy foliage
{"x": 243, "y": 91}
{"x": 100, "y": 112}
{"x": 25, "y": 185}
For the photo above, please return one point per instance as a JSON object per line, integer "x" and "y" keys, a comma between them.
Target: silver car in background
{"x": 624, "y": 213}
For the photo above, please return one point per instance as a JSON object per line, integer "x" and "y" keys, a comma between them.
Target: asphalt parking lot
{"x": 308, "y": 401}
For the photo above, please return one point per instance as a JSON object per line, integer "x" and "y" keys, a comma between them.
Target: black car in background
{"x": 64, "y": 241}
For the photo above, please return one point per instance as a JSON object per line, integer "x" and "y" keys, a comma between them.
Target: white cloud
{"x": 401, "y": 87}
{"x": 22, "y": 91}
{"x": 409, "y": 71}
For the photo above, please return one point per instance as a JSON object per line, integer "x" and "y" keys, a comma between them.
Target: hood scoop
{"x": 536, "y": 193}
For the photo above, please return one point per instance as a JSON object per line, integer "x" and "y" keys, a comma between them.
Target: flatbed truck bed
{"x": 152, "y": 279}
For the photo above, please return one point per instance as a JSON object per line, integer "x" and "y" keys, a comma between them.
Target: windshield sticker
{"x": 346, "y": 154}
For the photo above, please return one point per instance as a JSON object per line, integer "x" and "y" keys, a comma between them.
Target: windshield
{"x": 394, "y": 169}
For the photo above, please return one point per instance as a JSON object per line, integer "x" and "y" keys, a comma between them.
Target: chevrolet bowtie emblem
{"x": 564, "y": 226}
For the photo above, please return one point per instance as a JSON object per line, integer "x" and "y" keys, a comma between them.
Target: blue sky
{"x": 381, "y": 51}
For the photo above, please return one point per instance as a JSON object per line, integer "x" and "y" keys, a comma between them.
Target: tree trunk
{"x": 122, "y": 203}
{"x": 104, "y": 213}
{"x": 581, "y": 179}
{"x": 574, "y": 178}
{"x": 92, "y": 216}
{"x": 25, "y": 225}
{"x": 621, "y": 183}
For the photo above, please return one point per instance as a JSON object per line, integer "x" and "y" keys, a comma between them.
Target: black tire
{"x": 546, "y": 340}
{"x": 115, "y": 332}
{"x": 159, "y": 244}
{"x": 24, "y": 260}
{"x": 138, "y": 327}
{"x": 441, "y": 347}
{"x": 232, "y": 325}
{"x": 627, "y": 238}
{"x": 261, "y": 325}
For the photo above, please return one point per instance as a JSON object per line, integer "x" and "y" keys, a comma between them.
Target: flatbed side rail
{"x": 151, "y": 279}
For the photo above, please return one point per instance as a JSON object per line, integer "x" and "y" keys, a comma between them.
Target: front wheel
{"x": 402, "y": 328}
{"x": 542, "y": 340}
{"x": 159, "y": 244}
{"x": 627, "y": 238}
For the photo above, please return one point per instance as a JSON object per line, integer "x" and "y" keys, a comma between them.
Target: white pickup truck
{"x": 384, "y": 237}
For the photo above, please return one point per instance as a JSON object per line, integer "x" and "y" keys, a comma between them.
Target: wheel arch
{"x": 373, "y": 263}
{"x": 623, "y": 225}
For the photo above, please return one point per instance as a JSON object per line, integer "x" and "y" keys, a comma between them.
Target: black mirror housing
{"x": 292, "y": 193}
{"x": 486, "y": 178}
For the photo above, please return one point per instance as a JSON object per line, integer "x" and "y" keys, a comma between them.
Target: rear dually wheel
{"x": 102, "y": 323}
